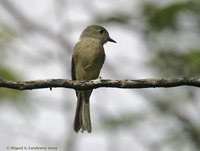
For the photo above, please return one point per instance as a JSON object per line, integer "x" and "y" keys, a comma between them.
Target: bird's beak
{"x": 111, "y": 40}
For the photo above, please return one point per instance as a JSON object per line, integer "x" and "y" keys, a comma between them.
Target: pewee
{"x": 87, "y": 60}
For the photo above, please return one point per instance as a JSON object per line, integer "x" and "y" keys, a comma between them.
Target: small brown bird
{"x": 87, "y": 61}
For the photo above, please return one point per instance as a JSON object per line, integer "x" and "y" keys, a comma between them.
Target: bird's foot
{"x": 97, "y": 80}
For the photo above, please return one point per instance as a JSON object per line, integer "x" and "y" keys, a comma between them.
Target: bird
{"x": 87, "y": 60}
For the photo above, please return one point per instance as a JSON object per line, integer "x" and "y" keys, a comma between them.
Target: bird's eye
{"x": 101, "y": 31}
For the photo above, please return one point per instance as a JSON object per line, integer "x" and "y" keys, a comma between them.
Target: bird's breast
{"x": 89, "y": 59}
{"x": 95, "y": 59}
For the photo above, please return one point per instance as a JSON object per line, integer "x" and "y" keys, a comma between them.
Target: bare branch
{"x": 93, "y": 84}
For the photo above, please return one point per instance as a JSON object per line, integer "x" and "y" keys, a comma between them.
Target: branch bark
{"x": 93, "y": 84}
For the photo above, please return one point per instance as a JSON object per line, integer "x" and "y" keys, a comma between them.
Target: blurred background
{"x": 154, "y": 39}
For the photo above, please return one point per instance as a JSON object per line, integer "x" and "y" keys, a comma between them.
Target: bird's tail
{"x": 82, "y": 115}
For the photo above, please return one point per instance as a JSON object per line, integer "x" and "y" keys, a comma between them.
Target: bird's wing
{"x": 74, "y": 61}
{"x": 73, "y": 66}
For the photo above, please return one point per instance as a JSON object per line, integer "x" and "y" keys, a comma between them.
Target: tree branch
{"x": 93, "y": 84}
